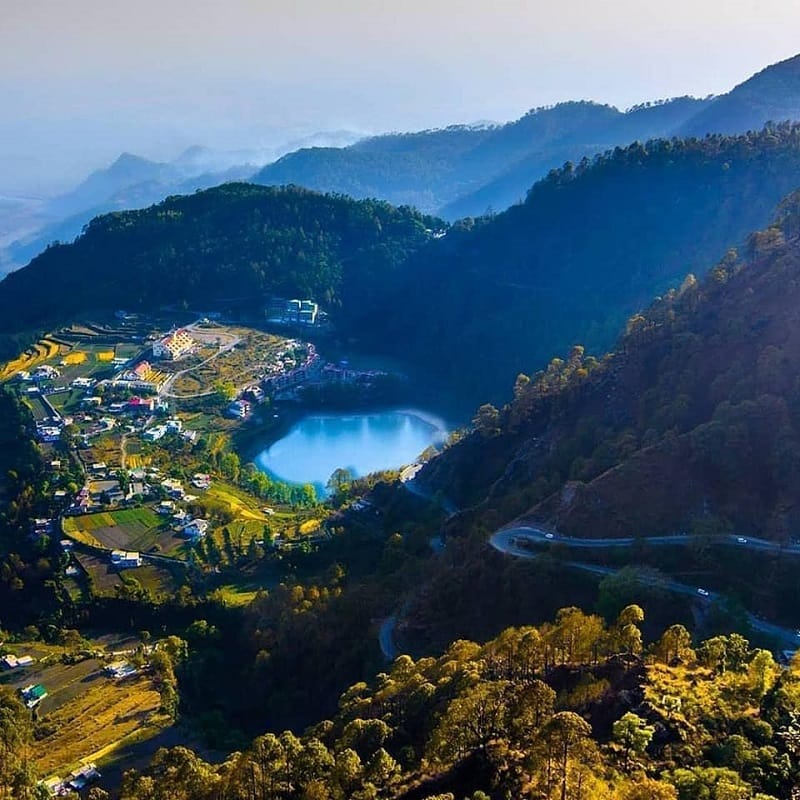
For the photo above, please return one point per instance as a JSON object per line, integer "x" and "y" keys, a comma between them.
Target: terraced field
{"x": 86, "y": 715}
{"x": 138, "y": 529}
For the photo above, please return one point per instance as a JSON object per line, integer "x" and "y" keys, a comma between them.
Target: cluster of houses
{"x": 104, "y": 488}
{"x": 191, "y": 527}
{"x": 283, "y": 378}
{"x": 42, "y": 373}
{"x": 49, "y": 430}
{"x": 76, "y": 781}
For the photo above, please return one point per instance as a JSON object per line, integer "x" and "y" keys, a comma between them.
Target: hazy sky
{"x": 83, "y": 80}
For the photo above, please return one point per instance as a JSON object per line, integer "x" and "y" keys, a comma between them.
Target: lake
{"x": 362, "y": 442}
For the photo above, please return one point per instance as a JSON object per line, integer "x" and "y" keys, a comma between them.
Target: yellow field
{"x": 237, "y": 505}
{"x": 74, "y": 358}
{"x": 74, "y": 532}
{"x": 96, "y": 721}
{"x": 38, "y": 353}
{"x": 310, "y": 526}
{"x": 137, "y": 462}
{"x": 105, "y": 356}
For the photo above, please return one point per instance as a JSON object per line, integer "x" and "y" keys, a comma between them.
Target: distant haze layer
{"x": 82, "y": 81}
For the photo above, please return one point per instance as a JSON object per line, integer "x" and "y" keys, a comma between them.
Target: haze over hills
{"x": 771, "y": 95}
{"x": 132, "y": 181}
{"x": 456, "y": 172}
{"x": 460, "y": 172}
{"x": 438, "y": 171}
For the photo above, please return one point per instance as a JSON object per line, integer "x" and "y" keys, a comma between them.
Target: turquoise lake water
{"x": 363, "y": 443}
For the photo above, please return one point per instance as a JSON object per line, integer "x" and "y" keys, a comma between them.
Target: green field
{"x": 128, "y": 517}
{"x": 139, "y": 529}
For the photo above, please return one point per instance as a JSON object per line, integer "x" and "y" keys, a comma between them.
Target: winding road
{"x": 538, "y": 535}
{"x": 510, "y": 541}
{"x": 518, "y": 541}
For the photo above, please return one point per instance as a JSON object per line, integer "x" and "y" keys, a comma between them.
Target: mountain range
{"x": 591, "y": 245}
{"x": 463, "y": 171}
{"x": 455, "y": 172}
{"x": 629, "y": 336}
{"x": 132, "y": 181}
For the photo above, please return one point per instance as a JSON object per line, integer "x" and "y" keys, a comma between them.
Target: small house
{"x": 196, "y": 529}
{"x": 239, "y": 409}
{"x": 33, "y": 695}
{"x": 125, "y": 560}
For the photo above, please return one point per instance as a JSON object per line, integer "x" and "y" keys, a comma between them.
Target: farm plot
{"x": 44, "y": 350}
{"x": 104, "y": 578}
{"x": 137, "y": 529}
{"x": 95, "y": 719}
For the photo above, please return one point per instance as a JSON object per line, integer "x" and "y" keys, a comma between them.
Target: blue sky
{"x": 83, "y": 80}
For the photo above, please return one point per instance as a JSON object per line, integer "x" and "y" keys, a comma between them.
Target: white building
{"x": 173, "y": 346}
{"x": 196, "y": 529}
{"x": 154, "y": 434}
{"x": 239, "y": 409}
{"x": 125, "y": 560}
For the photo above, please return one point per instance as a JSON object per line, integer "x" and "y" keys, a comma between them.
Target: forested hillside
{"x": 446, "y": 170}
{"x": 592, "y": 244}
{"x": 236, "y": 243}
{"x": 771, "y": 95}
{"x": 690, "y": 424}
{"x": 568, "y": 710}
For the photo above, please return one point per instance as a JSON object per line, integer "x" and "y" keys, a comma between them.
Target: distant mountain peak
{"x": 131, "y": 160}
{"x": 771, "y": 95}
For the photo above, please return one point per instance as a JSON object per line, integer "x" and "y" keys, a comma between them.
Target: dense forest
{"x": 235, "y": 244}
{"x": 464, "y": 170}
{"x": 593, "y": 243}
{"x": 573, "y": 709}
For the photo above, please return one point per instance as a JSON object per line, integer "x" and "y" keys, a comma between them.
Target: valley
{"x": 453, "y": 463}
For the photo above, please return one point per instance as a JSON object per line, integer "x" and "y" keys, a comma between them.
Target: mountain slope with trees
{"x": 568, "y": 710}
{"x": 236, "y": 243}
{"x": 692, "y": 423}
{"x": 772, "y": 95}
{"x": 592, "y": 244}
{"x": 434, "y": 169}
